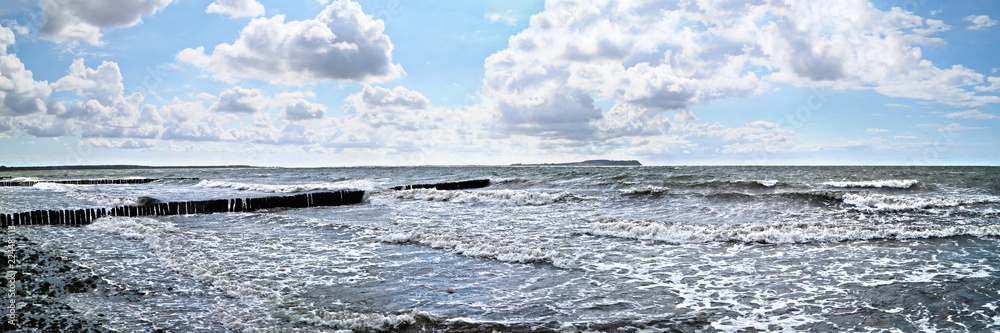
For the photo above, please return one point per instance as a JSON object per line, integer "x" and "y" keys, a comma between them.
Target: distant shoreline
{"x": 588, "y": 163}
{"x": 116, "y": 167}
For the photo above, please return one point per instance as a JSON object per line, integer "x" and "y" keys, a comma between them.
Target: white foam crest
{"x": 478, "y": 246}
{"x": 646, "y": 190}
{"x": 249, "y": 310}
{"x": 56, "y": 187}
{"x": 500, "y": 197}
{"x": 881, "y": 202}
{"x": 271, "y": 188}
{"x": 768, "y": 182}
{"x": 891, "y": 183}
{"x": 76, "y": 191}
{"x": 681, "y": 233}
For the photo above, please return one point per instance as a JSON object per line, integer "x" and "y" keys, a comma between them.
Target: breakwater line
{"x": 126, "y": 181}
{"x": 155, "y": 208}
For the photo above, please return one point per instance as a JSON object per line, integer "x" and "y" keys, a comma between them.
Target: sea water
{"x": 546, "y": 248}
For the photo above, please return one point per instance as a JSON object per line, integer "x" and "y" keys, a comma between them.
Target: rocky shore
{"x": 34, "y": 285}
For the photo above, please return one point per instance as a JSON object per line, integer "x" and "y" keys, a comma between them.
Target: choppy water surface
{"x": 647, "y": 248}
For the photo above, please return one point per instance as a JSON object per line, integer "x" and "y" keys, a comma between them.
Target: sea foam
{"x": 501, "y": 197}
{"x": 890, "y": 183}
{"x": 471, "y": 245}
{"x": 681, "y": 233}
{"x": 272, "y": 188}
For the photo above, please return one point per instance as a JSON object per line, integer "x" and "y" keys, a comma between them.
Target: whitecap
{"x": 501, "y": 197}
{"x": 890, "y": 183}
{"x": 272, "y": 188}
{"x": 779, "y": 233}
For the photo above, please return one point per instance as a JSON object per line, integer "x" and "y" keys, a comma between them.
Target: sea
{"x": 570, "y": 249}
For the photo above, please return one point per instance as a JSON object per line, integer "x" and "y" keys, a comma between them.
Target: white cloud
{"x": 103, "y": 84}
{"x": 82, "y": 20}
{"x": 20, "y": 94}
{"x": 992, "y": 84}
{"x": 653, "y": 57}
{"x": 123, "y": 144}
{"x": 956, "y": 127}
{"x": 341, "y": 43}
{"x": 303, "y": 110}
{"x": 104, "y": 110}
{"x": 236, "y": 8}
{"x": 240, "y": 100}
{"x": 877, "y": 130}
{"x": 979, "y": 22}
{"x": 398, "y": 108}
{"x": 191, "y": 121}
{"x": 507, "y": 17}
{"x": 16, "y": 28}
{"x": 970, "y": 114}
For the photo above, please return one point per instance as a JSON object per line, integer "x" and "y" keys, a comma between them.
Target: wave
{"x": 78, "y": 191}
{"x": 682, "y": 233}
{"x": 881, "y": 202}
{"x": 476, "y": 246}
{"x": 501, "y": 197}
{"x": 250, "y": 306}
{"x": 272, "y": 188}
{"x": 889, "y": 183}
{"x": 646, "y": 190}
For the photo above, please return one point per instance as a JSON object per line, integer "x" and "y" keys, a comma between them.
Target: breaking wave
{"x": 647, "y": 190}
{"x": 250, "y": 307}
{"x": 890, "y": 183}
{"x": 81, "y": 192}
{"x": 501, "y": 198}
{"x": 269, "y": 188}
{"x": 476, "y": 246}
{"x": 881, "y": 202}
{"x": 682, "y": 233}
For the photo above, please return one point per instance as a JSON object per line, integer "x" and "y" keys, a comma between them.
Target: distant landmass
{"x": 588, "y": 163}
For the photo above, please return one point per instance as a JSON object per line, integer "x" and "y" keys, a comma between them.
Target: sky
{"x": 415, "y": 82}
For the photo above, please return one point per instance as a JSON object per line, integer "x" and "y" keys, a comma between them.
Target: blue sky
{"x": 391, "y": 82}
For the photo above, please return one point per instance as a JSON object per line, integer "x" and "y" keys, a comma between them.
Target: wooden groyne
{"x": 81, "y": 182}
{"x": 85, "y": 216}
{"x": 478, "y": 183}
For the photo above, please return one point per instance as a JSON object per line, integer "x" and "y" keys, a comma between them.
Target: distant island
{"x": 588, "y": 163}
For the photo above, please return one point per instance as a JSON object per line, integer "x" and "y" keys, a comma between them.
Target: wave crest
{"x": 501, "y": 197}
{"x": 682, "y": 233}
{"x": 269, "y": 188}
{"x": 888, "y": 183}
{"x": 476, "y": 246}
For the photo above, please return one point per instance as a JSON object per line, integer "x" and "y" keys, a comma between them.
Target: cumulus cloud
{"x": 104, "y": 111}
{"x": 971, "y": 114}
{"x": 979, "y": 22}
{"x": 236, "y": 8}
{"x": 303, "y": 110}
{"x": 82, "y": 20}
{"x": 191, "y": 121}
{"x": 240, "y": 100}
{"x": 650, "y": 57}
{"x": 341, "y": 43}
{"x": 20, "y": 94}
{"x": 399, "y": 108}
